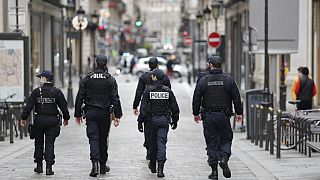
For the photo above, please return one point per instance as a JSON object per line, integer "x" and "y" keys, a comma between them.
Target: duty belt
{"x": 214, "y": 110}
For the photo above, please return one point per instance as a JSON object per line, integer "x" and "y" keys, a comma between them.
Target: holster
{"x": 228, "y": 112}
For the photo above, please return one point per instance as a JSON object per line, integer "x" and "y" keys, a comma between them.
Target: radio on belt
{"x": 159, "y": 95}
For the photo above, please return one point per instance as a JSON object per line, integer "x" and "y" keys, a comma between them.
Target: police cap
{"x": 158, "y": 73}
{"x": 153, "y": 62}
{"x": 215, "y": 60}
{"x": 101, "y": 60}
{"x": 47, "y": 74}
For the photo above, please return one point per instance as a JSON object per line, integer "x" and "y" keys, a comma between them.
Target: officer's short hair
{"x": 101, "y": 60}
{"x": 153, "y": 63}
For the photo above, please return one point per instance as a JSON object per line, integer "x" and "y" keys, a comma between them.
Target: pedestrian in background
{"x": 215, "y": 92}
{"x": 98, "y": 91}
{"x": 304, "y": 89}
{"x": 144, "y": 81}
{"x": 158, "y": 103}
{"x": 45, "y": 99}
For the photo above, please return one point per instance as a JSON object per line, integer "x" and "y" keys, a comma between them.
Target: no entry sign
{"x": 214, "y": 40}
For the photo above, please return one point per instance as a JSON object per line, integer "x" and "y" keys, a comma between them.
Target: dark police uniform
{"x": 45, "y": 99}
{"x": 144, "y": 81}
{"x": 98, "y": 91}
{"x": 215, "y": 92}
{"x": 158, "y": 105}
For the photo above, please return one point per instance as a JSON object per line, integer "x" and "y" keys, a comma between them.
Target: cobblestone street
{"x": 186, "y": 151}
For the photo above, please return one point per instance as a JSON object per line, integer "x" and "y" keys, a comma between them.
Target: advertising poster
{"x": 11, "y": 70}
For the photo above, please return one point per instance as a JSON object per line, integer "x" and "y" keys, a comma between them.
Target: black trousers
{"x": 304, "y": 105}
{"x": 46, "y": 129}
{"x": 98, "y": 126}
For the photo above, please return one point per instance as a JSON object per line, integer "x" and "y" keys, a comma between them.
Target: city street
{"x": 186, "y": 151}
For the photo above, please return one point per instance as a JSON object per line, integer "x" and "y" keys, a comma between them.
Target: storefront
{"x": 46, "y": 27}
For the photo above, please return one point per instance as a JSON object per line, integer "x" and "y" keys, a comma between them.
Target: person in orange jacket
{"x": 304, "y": 89}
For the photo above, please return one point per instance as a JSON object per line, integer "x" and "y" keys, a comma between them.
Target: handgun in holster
{"x": 228, "y": 112}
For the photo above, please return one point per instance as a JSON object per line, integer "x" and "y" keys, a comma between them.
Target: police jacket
{"x": 303, "y": 88}
{"x": 159, "y": 100}
{"x": 98, "y": 90}
{"x": 144, "y": 81}
{"x": 215, "y": 92}
{"x": 46, "y": 99}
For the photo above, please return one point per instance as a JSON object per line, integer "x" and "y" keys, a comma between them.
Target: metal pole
{"x": 69, "y": 57}
{"x": 80, "y": 53}
{"x": 216, "y": 24}
{"x": 11, "y": 125}
{"x": 272, "y": 132}
{"x": 17, "y": 15}
{"x": 283, "y": 87}
{"x": 266, "y": 94}
{"x": 278, "y": 133}
{"x": 207, "y": 32}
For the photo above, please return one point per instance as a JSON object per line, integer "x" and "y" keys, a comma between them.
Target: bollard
{"x": 279, "y": 113}
{"x": 261, "y": 126}
{"x": 268, "y": 120}
{"x": 252, "y": 123}
{"x": 271, "y": 131}
{"x": 256, "y": 132}
{"x": 11, "y": 127}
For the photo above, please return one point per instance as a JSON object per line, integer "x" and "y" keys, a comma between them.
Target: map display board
{"x": 12, "y": 70}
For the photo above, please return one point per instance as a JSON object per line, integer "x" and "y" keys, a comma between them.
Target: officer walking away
{"x": 98, "y": 91}
{"x": 304, "y": 89}
{"x": 215, "y": 92}
{"x": 144, "y": 81}
{"x": 160, "y": 104}
{"x": 45, "y": 99}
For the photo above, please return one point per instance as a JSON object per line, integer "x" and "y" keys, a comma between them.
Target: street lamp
{"x": 199, "y": 20}
{"x": 80, "y": 22}
{"x": 216, "y": 9}
{"x": 206, "y": 13}
{"x": 70, "y": 11}
{"x": 93, "y": 27}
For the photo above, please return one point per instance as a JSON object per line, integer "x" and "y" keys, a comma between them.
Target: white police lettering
{"x": 159, "y": 95}
{"x": 215, "y": 83}
{"x": 98, "y": 76}
{"x": 46, "y": 100}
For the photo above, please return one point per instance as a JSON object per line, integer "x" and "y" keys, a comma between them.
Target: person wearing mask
{"x": 98, "y": 91}
{"x": 46, "y": 128}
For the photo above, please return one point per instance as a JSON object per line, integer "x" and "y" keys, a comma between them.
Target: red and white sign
{"x": 188, "y": 40}
{"x": 214, "y": 40}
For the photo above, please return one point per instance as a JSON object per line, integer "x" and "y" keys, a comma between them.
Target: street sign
{"x": 188, "y": 40}
{"x": 214, "y": 40}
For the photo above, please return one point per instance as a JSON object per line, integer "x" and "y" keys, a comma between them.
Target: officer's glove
{"x": 140, "y": 127}
{"x": 174, "y": 125}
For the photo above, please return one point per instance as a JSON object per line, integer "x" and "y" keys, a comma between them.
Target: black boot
{"x": 39, "y": 168}
{"x": 224, "y": 165}
{"x": 160, "y": 169}
{"x": 49, "y": 170}
{"x": 95, "y": 169}
{"x": 152, "y": 166}
{"x": 104, "y": 169}
{"x": 214, "y": 173}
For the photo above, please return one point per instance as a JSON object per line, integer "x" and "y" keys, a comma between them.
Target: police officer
{"x": 98, "y": 91}
{"x": 160, "y": 104}
{"x": 45, "y": 99}
{"x": 215, "y": 92}
{"x": 144, "y": 81}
